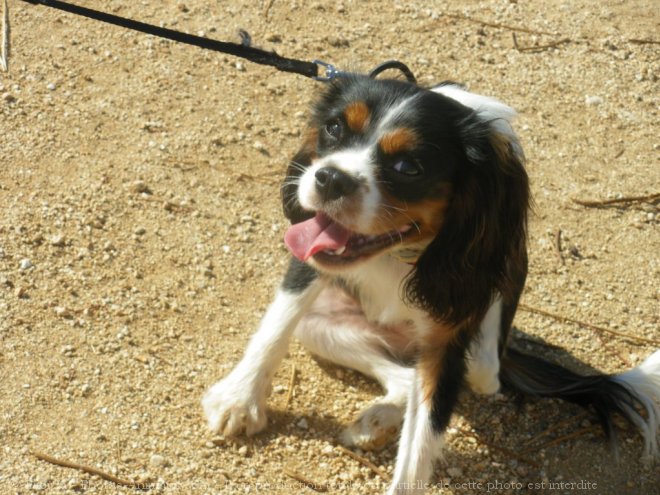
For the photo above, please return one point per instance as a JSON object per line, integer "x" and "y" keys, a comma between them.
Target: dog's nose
{"x": 332, "y": 183}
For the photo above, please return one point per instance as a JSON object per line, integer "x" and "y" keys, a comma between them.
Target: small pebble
{"x": 593, "y": 100}
{"x": 140, "y": 187}
{"x": 62, "y": 312}
{"x": 8, "y": 97}
{"x": 243, "y": 451}
{"x": 302, "y": 424}
{"x": 328, "y": 449}
{"x": 85, "y": 389}
{"x": 51, "y": 86}
{"x": 25, "y": 264}
{"x": 157, "y": 460}
{"x": 259, "y": 146}
{"x": 57, "y": 240}
{"x": 454, "y": 472}
{"x": 68, "y": 350}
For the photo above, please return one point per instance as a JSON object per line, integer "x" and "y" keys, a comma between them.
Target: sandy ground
{"x": 141, "y": 238}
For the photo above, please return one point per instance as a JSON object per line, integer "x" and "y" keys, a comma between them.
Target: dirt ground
{"x": 141, "y": 238}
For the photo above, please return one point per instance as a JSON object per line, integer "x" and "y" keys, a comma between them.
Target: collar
{"x": 409, "y": 254}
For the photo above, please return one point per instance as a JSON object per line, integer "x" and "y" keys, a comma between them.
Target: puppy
{"x": 409, "y": 215}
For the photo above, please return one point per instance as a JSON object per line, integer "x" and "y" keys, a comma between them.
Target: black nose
{"x": 332, "y": 183}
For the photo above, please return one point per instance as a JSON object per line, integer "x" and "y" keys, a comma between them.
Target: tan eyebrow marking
{"x": 357, "y": 116}
{"x": 398, "y": 140}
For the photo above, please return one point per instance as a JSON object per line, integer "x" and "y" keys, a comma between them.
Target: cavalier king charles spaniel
{"x": 409, "y": 226}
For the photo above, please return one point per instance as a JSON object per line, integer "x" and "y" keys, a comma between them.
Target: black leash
{"x": 243, "y": 50}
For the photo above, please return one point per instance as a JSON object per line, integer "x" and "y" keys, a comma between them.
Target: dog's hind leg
{"x": 336, "y": 330}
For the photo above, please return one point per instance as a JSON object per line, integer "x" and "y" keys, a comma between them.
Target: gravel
{"x": 177, "y": 246}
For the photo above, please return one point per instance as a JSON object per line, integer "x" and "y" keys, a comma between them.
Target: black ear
{"x": 481, "y": 246}
{"x": 303, "y": 159}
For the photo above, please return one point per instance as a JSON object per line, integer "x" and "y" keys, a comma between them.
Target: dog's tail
{"x": 634, "y": 394}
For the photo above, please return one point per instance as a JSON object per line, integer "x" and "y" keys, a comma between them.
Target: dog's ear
{"x": 481, "y": 246}
{"x": 303, "y": 159}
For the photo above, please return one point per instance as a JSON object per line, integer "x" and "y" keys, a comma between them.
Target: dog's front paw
{"x": 233, "y": 406}
{"x": 376, "y": 427}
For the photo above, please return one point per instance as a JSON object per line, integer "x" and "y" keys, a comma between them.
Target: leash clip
{"x": 330, "y": 71}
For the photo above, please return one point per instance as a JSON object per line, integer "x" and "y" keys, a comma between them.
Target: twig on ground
{"x": 317, "y": 487}
{"x": 497, "y": 448}
{"x": 292, "y": 384}
{"x": 570, "y": 436}
{"x": 566, "y": 319}
{"x": 515, "y": 41}
{"x": 265, "y": 178}
{"x": 495, "y": 24}
{"x": 538, "y": 48}
{"x": 612, "y": 351}
{"x": 512, "y": 454}
{"x": 365, "y": 462}
{"x": 560, "y": 255}
{"x": 267, "y": 6}
{"x": 179, "y": 163}
{"x": 89, "y": 470}
{"x": 638, "y": 41}
{"x": 4, "y": 55}
{"x": 555, "y": 426}
{"x": 159, "y": 357}
{"x": 626, "y": 199}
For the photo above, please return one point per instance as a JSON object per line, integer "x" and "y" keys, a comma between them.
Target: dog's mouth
{"x": 330, "y": 243}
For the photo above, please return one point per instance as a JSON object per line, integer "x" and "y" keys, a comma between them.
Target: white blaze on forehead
{"x": 394, "y": 114}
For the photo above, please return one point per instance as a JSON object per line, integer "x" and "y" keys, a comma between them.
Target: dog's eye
{"x": 333, "y": 129}
{"x": 408, "y": 168}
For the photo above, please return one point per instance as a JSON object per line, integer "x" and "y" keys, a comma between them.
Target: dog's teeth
{"x": 335, "y": 252}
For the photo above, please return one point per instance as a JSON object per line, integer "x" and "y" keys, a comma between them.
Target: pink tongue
{"x": 307, "y": 238}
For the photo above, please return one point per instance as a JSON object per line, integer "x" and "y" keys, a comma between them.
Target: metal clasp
{"x": 330, "y": 71}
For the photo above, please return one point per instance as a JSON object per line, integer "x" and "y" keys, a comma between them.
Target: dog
{"x": 408, "y": 210}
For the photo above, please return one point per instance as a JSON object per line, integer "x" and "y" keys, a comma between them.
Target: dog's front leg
{"x": 237, "y": 403}
{"x": 439, "y": 376}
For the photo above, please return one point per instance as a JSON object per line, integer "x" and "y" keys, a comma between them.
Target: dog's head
{"x": 431, "y": 177}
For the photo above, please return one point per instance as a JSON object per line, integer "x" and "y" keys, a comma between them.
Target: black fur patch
{"x": 298, "y": 277}
{"x": 450, "y": 383}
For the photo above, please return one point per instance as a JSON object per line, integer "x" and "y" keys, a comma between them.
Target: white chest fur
{"x": 379, "y": 284}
